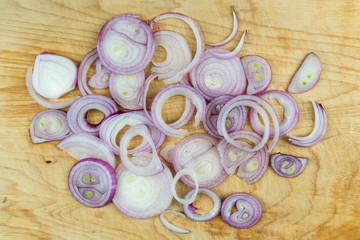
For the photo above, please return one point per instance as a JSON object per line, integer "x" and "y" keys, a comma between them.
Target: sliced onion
{"x": 154, "y": 166}
{"x": 231, "y": 36}
{"x": 198, "y": 36}
{"x": 233, "y": 53}
{"x": 92, "y": 182}
{"x": 178, "y": 54}
{"x": 41, "y": 100}
{"x": 288, "y": 165}
{"x": 236, "y": 119}
{"x": 307, "y": 76}
{"x": 125, "y": 44}
{"x": 142, "y": 197}
{"x": 291, "y": 113}
{"x": 54, "y": 75}
{"x": 166, "y": 93}
{"x": 258, "y": 73}
{"x": 199, "y": 153}
{"x": 169, "y": 225}
{"x": 189, "y": 209}
{"x": 254, "y": 168}
{"x": 48, "y": 125}
{"x": 100, "y": 80}
{"x": 249, "y": 210}
{"x": 85, "y": 64}
{"x": 76, "y": 115}
{"x": 112, "y": 125}
{"x": 214, "y": 77}
{"x": 179, "y": 174}
{"x": 126, "y": 90}
{"x": 319, "y": 131}
{"x": 167, "y": 152}
{"x": 83, "y": 145}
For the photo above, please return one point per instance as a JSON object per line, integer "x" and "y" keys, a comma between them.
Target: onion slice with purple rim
{"x": 48, "y": 125}
{"x": 233, "y": 53}
{"x": 92, "y": 182}
{"x": 291, "y": 113}
{"x": 166, "y": 93}
{"x": 154, "y": 166}
{"x": 76, "y": 116}
{"x": 169, "y": 225}
{"x": 319, "y": 131}
{"x": 179, "y": 174}
{"x": 307, "y": 76}
{"x": 287, "y": 165}
{"x": 125, "y": 44}
{"x": 249, "y": 210}
{"x": 83, "y": 145}
{"x": 258, "y": 74}
{"x": 189, "y": 209}
{"x": 85, "y": 64}
{"x": 142, "y": 197}
{"x": 100, "y": 80}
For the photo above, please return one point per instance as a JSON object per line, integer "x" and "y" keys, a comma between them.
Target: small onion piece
{"x": 142, "y": 197}
{"x": 189, "y": 209}
{"x": 85, "y": 64}
{"x": 288, "y": 165}
{"x": 249, "y": 210}
{"x": 307, "y": 76}
{"x": 48, "y": 125}
{"x": 92, "y": 182}
{"x": 169, "y": 225}
{"x": 53, "y": 75}
{"x": 154, "y": 166}
{"x": 179, "y": 174}
{"x": 319, "y": 131}
{"x": 100, "y": 80}
{"x": 258, "y": 74}
{"x": 126, "y": 90}
{"x": 166, "y": 93}
{"x": 236, "y": 119}
{"x": 231, "y": 36}
{"x": 291, "y": 113}
{"x": 76, "y": 115}
{"x": 214, "y": 77}
{"x": 41, "y": 100}
{"x": 199, "y": 153}
{"x": 83, "y": 145}
{"x": 167, "y": 152}
{"x": 125, "y": 44}
{"x": 233, "y": 53}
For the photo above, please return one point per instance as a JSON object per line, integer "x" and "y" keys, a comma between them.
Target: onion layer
{"x": 233, "y": 53}
{"x": 100, "y": 80}
{"x": 169, "y": 225}
{"x": 288, "y": 165}
{"x": 179, "y": 174}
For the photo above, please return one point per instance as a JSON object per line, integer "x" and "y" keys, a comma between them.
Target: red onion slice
{"x": 154, "y": 166}
{"x": 179, "y": 174}
{"x": 178, "y": 54}
{"x": 76, "y": 116}
{"x": 83, "y": 145}
{"x": 125, "y": 44}
{"x": 249, "y": 210}
{"x": 291, "y": 113}
{"x": 189, "y": 209}
{"x": 166, "y": 93}
{"x": 41, "y": 100}
{"x": 126, "y": 90}
{"x": 234, "y": 52}
{"x": 169, "y": 225}
{"x": 258, "y": 73}
{"x": 199, "y": 153}
{"x": 236, "y": 119}
{"x": 100, "y": 80}
{"x": 307, "y": 76}
{"x": 288, "y": 165}
{"x": 167, "y": 152}
{"x": 214, "y": 77}
{"x": 92, "y": 182}
{"x": 53, "y": 75}
{"x": 142, "y": 197}
{"x": 85, "y": 64}
{"x": 48, "y": 125}
{"x": 319, "y": 131}
{"x": 231, "y": 36}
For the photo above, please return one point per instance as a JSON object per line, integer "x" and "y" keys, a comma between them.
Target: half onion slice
{"x": 288, "y": 165}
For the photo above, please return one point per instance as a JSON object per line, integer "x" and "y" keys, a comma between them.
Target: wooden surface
{"x": 322, "y": 203}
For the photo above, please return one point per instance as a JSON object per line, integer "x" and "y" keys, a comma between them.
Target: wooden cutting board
{"x": 322, "y": 203}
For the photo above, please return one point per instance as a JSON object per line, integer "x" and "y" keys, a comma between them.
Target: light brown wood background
{"x": 322, "y": 203}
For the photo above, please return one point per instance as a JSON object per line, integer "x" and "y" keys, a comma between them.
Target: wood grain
{"x": 322, "y": 203}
